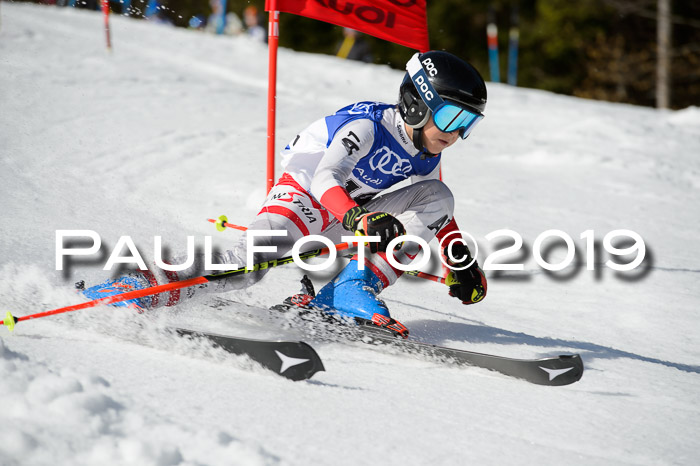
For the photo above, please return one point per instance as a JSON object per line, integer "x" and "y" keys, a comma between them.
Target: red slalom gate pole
{"x": 272, "y": 42}
{"x": 222, "y": 223}
{"x": 105, "y": 10}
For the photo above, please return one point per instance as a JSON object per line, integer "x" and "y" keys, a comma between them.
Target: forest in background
{"x": 597, "y": 49}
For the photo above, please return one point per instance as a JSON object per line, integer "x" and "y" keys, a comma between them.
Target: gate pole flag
{"x": 403, "y": 22}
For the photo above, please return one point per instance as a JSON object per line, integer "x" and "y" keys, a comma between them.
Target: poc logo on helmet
{"x": 424, "y": 89}
{"x": 430, "y": 66}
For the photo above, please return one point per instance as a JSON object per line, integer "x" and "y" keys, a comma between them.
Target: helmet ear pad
{"x": 414, "y": 111}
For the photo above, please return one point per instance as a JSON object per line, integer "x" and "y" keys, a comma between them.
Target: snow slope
{"x": 169, "y": 129}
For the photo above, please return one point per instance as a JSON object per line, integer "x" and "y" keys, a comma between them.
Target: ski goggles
{"x": 447, "y": 116}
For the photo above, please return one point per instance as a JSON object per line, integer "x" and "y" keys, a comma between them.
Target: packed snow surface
{"x": 169, "y": 129}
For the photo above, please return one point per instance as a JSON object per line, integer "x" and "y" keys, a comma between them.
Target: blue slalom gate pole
{"x": 514, "y": 36}
{"x": 222, "y": 20}
{"x": 151, "y": 8}
{"x": 492, "y": 40}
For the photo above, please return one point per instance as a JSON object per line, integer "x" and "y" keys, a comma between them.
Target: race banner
{"x": 403, "y": 22}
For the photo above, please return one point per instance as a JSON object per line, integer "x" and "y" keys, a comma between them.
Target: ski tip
{"x": 566, "y": 370}
{"x": 9, "y": 321}
{"x": 220, "y": 223}
{"x": 297, "y": 368}
{"x": 316, "y": 363}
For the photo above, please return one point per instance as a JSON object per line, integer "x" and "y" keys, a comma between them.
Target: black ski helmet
{"x": 454, "y": 80}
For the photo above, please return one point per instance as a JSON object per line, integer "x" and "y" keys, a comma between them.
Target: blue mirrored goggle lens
{"x": 450, "y": 117}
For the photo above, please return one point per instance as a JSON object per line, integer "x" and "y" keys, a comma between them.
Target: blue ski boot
{"x": 353, "y": 295}
{"x": 131, "y": 282}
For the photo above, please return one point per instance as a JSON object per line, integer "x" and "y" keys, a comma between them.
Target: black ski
{"x": 294, "y": 360}
{"x": 553, "y": 371}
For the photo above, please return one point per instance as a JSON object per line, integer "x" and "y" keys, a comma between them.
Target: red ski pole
{"x": 11, "y": 320}
{"x": 222, "y": 224}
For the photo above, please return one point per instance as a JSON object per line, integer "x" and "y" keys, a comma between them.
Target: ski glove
{"x": 382, "y": 224}
{"x": 469, "y": 284}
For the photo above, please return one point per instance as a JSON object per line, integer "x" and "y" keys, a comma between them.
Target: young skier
{"x": 336, "y": 172}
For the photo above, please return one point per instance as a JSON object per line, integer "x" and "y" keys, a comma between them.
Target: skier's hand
{"x": 381, "y": 224}
{"x": 468, "y": 285}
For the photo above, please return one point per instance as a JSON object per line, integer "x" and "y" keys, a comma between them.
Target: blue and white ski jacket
{"x": 345, "y": 159}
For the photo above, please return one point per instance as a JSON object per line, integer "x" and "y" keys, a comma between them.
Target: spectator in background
{"x": 252, "y": 24}
{"x": 234, "y": 25}
{"x": 196, "y": 22}
{"x": 231, "y": 25}
{"x": 215, "y": 18}
{"x": 354, "y": 47}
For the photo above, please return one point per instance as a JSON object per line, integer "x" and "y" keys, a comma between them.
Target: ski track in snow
{"x": 169, "y": 129}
